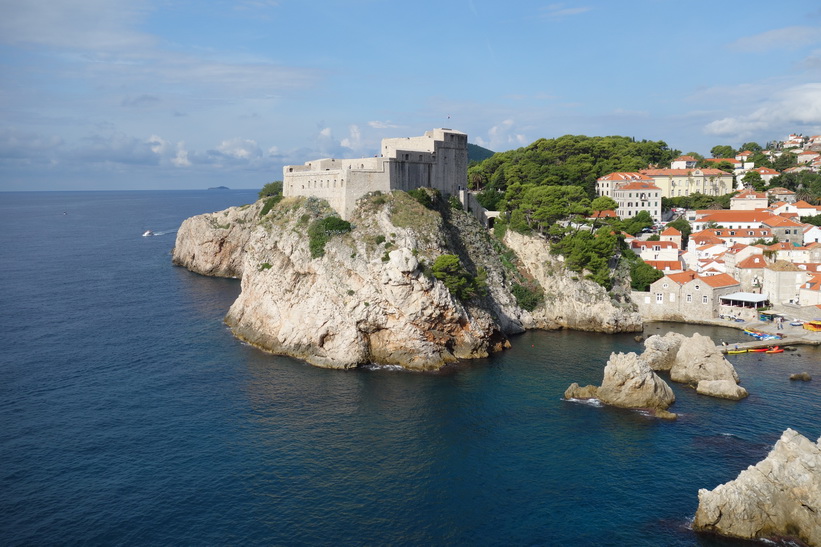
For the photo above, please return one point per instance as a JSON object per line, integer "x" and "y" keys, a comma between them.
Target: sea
{"x": 130, "y": 415}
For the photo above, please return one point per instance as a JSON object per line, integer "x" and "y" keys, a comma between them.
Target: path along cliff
{"x": 368, "y": 296}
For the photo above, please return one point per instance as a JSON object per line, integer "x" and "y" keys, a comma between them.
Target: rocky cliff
{"x": 371, "y": 298}
{"x": 569, "y": 300}
{"x": 778, "y": 497}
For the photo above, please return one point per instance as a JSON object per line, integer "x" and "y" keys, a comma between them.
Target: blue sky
{"x": 177, "y": 94}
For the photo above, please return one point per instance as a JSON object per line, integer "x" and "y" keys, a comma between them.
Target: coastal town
{"x": 756, "y": 261}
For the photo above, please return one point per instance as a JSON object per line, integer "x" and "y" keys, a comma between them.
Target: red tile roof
{"x": 638, "y": 185}
{"x": 682, "y": 172}
{"x": 625, "y": 176}
{"x": 670, "y": 231}
{"x": 752, "y": 262}
{"x": 719, "y": 280}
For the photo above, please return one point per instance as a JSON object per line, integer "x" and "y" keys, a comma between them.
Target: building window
{"x": 697, "y": 287}
{"x": 659, "y": 298}
{"x": 704, "y": 299}
{"x": 689, "y": 298}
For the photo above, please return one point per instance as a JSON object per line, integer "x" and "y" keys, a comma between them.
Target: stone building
{"x": 438, "y": 159}
{"x": 683, "y": 182}
{"x": 685, "y": 296}
{"x": 633, "y": 192}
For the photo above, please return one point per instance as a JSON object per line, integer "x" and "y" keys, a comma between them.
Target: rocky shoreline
{"x": 370, "y": 297}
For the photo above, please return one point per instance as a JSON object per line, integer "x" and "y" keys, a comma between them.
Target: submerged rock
{"x": 778, "y": 497}
{"x": 801, "y": 376}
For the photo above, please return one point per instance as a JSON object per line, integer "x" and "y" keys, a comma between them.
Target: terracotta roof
{"x": 637, "y": 185}
{"x": 813, "y": 283}
{"x": 809, "y": 266}
{"x": 719, "y": 160}
{"x": 752, "y": 262}
{"x": 780, "y": 191}
{"x": 662, "y": 244}
{"x": 664, "y": 264}
{"x": 781, "y": 222}
{"x": 670, "y": 231}
{"x": 719, "y": 280}
{"x": 783, "y": 266}
{"x": 750, "y": 194}
{"x": 801, "y": 204}
{"x": 682, "y": 277}
{"x": 625, "y": 176}
{"x": 607, "y": 213}
{"x": 682, "y": 172}
{"x": 724, "y": 215}
{"x": 766, "y": 171}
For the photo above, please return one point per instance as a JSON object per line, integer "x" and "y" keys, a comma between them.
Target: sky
{"x": 185, "y": 94}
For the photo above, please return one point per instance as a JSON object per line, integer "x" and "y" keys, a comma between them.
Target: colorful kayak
{"x": 736, "y": 351}
{"x": 776, "y": 349}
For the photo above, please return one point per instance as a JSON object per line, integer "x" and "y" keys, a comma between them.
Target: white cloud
{"x": 243, "y": 149}
{"x": 383, "y": 125}
{"x": 559, "y": 11}
{"x": 789, "y": 38}
{"x": 354, "y": 140}
{"x": 181, "y": 158}
{"x": 790, "y": 110}
{"x": 503, "y": 136}
{"x": 95, "y": 25}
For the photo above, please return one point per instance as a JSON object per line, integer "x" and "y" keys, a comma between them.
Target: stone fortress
{"x": 438, "y": 159}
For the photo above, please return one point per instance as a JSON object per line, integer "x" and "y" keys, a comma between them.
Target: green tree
{"x": 684, "y": 227}
{"x": 321, "y": 230}
{"x": 271, "y": 189}
{"x": 753, "y": 178}
{"x": 753, "y": 147}
{"x": 604, "y": 203}
{"x": 785, "y": 161}
{"x": 450, "y": 271}
{"x": 634, "y": 225}
{"x": 722, "y": 151}
{"x": 642, "y": 275}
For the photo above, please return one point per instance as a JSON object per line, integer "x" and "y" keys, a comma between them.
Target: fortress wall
{"x": 359, "y": 184}
{"x": 405, "y": 175}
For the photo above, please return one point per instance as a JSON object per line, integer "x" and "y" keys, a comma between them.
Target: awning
{"x": 750, "y": 297}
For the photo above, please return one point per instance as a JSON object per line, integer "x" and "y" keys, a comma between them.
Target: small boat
{"x": 776, "y": 349}
{"x": 148, "y": 233}
{"x": 736, "y": 351}
{"x": 757, "y": 350}
{"x": 814, "y": 326}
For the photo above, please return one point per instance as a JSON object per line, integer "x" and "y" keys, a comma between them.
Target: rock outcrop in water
{"x": 694, "y": 361}
{"x": 628, "y": 382}
{"x": 780, "y": 497}
{"x": 370, "y": 298}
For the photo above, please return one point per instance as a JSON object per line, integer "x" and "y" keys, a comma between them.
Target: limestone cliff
{"x": 214, "y": 243}
{"x": 569, "y": 301}
{"x": 778, "y": 497}
{"x": 371, "y": 297}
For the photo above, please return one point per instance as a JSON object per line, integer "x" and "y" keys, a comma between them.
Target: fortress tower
{"x": 438, "y": 159}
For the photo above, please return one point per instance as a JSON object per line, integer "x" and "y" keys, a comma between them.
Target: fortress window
{"x": 290, "y": 169}
{"x": 407, "y": 156}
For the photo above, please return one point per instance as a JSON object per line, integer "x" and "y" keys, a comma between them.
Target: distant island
{"x": 219, "y": 188}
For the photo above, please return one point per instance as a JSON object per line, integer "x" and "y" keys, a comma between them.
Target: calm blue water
{"x": 130, "y": 415}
